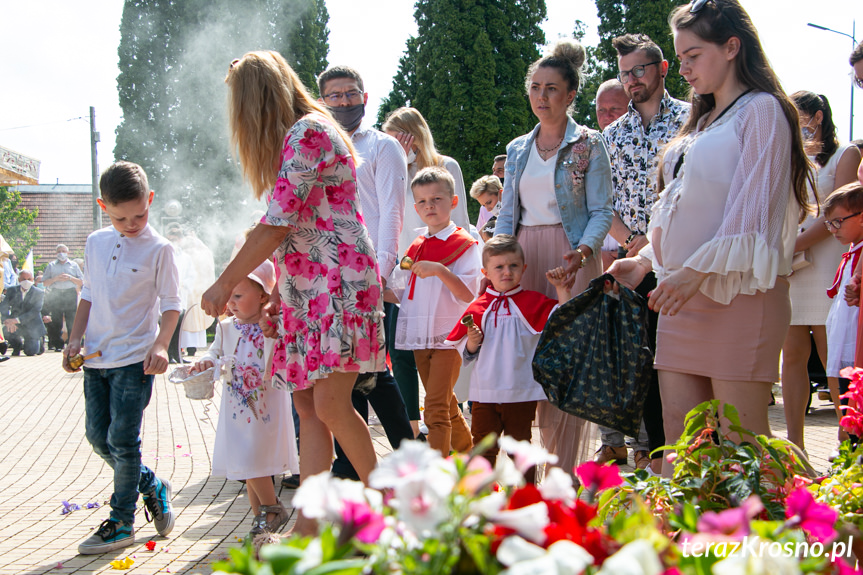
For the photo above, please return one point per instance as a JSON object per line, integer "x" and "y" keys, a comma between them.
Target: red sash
{"x": 852, "y": 255}
{"x": 432, "y": 249}
{"x": 534, "y": 307}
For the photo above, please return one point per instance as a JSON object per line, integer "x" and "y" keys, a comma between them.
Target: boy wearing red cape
{"x": 500, "y": 331}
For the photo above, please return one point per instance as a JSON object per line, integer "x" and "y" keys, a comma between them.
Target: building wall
{"x": 65, "y": 217}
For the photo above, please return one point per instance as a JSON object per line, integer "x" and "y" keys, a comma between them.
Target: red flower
{"x": 334, "y": 279}
{"x": 313, "y": 143}
{"x": 295, "y": 263}
{"x": 318, "y": 306}
{"x": 340, "y": 196}
{"x": 331, "y": 359}
{"x": 367, "y": 300}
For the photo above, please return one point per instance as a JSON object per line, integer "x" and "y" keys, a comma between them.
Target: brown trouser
{"x": 513, "y": 419}
{"x": 438, "y": 370}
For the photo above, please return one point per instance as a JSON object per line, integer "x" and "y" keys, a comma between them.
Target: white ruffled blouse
{"x": 731, "y": 211}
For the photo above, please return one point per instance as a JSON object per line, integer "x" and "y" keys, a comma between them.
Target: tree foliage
{"x": 16, "y": 222}
{"x": 465, "y": 70}
{"x": 618, "y": 17}
{"x": 174, "y": 55}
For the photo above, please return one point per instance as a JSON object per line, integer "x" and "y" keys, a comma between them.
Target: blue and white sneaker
{"x": 158, "y": 503}
{"x": 111, "y": 535}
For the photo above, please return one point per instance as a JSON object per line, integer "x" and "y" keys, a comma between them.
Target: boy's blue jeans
{"x": 115, "y": 399}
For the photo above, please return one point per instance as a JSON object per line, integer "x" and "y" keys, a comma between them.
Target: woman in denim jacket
{"x": 557, "y": 201}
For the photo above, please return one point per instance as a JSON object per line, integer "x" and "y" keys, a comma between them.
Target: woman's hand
{"x": 633, "y": 247}
{"x": 406, "y": 140}
{"x": 270, "y": 318}
{"x": 575, "y": 259}
{"x": 675, "y": 290}
{"x": 215, "y": 299}
{"x": 630, "y": 271}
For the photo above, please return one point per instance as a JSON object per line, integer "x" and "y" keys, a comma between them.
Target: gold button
{"x": 114, "y": 258}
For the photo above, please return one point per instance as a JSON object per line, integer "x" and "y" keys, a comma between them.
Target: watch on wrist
{"x": 629, "y": 239}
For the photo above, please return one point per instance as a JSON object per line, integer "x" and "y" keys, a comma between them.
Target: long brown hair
{"x": 716, "y": 22}
{"x": 266, "y": 99}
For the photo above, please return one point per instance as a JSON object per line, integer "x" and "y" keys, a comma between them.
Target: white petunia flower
{"x": 635, "y": 558}
{"x": 525, "y": 454}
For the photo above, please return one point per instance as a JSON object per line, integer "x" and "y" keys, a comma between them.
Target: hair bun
{"x": 571, "y": 50}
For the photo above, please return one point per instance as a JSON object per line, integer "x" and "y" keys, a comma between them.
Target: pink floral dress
{"x": 327, "y": 274}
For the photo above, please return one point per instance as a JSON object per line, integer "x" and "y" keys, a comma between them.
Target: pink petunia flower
{"x": 313, "y": 360}
{"x": 360, "y": 519}
{"x": 815, "y": 518}
{"x": 598, "y": 477}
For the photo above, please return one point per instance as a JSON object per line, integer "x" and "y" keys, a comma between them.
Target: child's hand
{"x": 200, "y": 366}
{"x": 71, "y": 349}
{"x": 474, "y": 338}
{"x": 156, "y": 361}
{"x": 270, "y": 318}
{"x": 559, "y": 278}
{"x": 425, "y": 269}
{"x": 852, "y": 291}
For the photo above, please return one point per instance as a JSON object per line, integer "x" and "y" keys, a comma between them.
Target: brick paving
{"x": 45, "y": 459}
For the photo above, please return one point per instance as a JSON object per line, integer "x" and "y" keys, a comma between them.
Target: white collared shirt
{"x": 426, "y": 320}
{"x": 129, "y": 282}
{"x": 382, "y": 179}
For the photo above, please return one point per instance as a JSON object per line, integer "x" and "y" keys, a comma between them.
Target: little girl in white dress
{"x": 255, "y": 434}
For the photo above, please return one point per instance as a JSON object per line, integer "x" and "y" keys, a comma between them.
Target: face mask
{"x": 62, "y": 256}
{"x": 26, "y": 284}
{"x": 495, "y": 211}
{"x": 349, "y": 117}
{"x": 412, "y": 157}
{"x": 807, "y": 133}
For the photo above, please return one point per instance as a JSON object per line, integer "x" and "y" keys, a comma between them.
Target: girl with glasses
{"x": 723, "y": 230}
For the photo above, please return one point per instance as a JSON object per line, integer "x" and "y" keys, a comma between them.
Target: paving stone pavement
{"x": 45, "y": 459}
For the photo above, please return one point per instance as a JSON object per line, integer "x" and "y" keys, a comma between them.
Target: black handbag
{"x": 594, "y": 360}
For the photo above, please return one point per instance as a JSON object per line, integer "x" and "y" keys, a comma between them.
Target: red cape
{"x": 531, "y": 306}
{"x": 432, "y": 249}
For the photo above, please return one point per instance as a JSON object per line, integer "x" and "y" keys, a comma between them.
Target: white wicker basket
{"x": 197, "y": 386}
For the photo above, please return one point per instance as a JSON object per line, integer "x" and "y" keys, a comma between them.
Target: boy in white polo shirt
{"x": 130, "y": 269}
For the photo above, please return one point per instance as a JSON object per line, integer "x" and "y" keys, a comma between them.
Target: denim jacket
{"x": 582, "y": 185}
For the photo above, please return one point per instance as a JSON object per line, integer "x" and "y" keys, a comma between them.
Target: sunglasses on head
{"x": 697, "y": 5}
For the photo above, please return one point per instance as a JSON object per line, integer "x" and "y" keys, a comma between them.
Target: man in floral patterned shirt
{"x": 634, "y": 141}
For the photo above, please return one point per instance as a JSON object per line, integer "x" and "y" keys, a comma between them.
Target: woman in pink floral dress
{"x": 331, "y": 325}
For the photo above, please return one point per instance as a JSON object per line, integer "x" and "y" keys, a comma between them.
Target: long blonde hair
{"x": 266, "y": 99}
{"x": 410, "y": 121}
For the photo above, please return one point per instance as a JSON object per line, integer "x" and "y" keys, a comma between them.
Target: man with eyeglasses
{"x": 634, "y": 140}
{"x": 382, "y": 183}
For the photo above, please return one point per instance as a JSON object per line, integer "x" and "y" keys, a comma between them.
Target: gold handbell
{"x": 77, "y": 361}
{"x": 467, "y": 320}
{"x": 406, "y": 263}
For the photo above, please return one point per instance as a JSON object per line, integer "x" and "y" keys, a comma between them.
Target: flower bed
{"x": 730, "y": 508}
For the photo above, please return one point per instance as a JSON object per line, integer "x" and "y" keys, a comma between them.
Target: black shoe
{"x": 16, "y": 352}
{"x": 3, "y": 347}
{"x": 291, "y": 481}
{"x": 4, "y": 358}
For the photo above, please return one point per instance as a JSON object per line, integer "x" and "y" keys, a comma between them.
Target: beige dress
{"x": 809, "y": 301}
{"x": 729, "y": 212}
